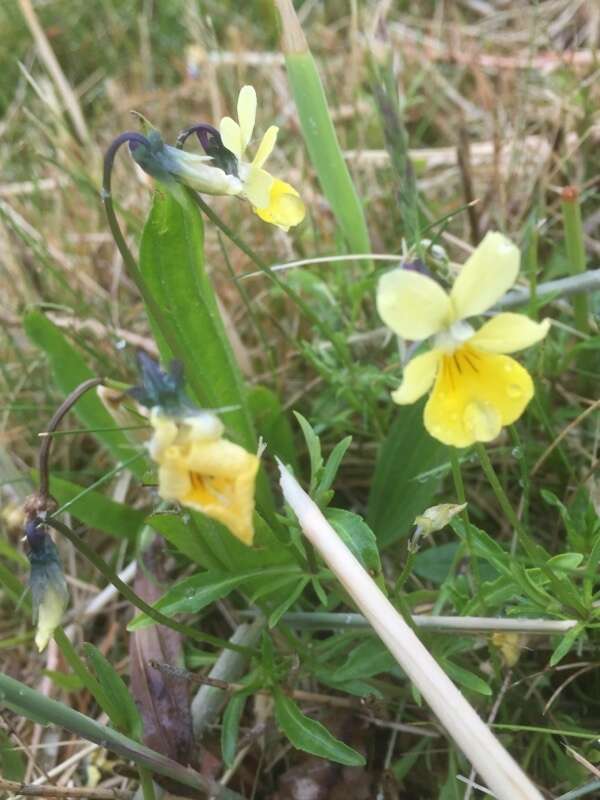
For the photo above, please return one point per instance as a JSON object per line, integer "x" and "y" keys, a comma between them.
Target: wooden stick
{"x": 503, "y": 775}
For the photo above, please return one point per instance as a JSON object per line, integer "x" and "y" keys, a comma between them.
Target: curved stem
{"x": 133, "y": 271}
{"x": 127, "y": 592}
{"x": 57, "y": 417}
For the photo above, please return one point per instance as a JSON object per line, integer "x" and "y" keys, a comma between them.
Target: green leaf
{"x": 360, "y": 539}
{"x": 65, "y": 680}
{"x": 272, "y": 423}
{"x": 96, "y": 510}
{"x": 313, "y": 445}
{"x": 309, "y": 735}
{"x": 400, "y": 491}
{"x": 231, "y": 726}
{"x": 466, "y": 678}
{"x": 173, "y": 528}
{"x": 12, "y": 761}
{"x": 69, "y": 369}
{"x": 191, "y": 595}
{"x": 324, "y": 150}
{"x": 172, "y": 265}
{"x": 434, "y": 563}
{"x": 332, "y": 465}
{"x": 121, "y": 709}
{"x": 566, "y": 643}
{"x": 289, "y": 601}
{"x": 370, "y": 658}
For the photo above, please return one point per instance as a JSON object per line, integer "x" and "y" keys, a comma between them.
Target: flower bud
{"x": 49, "y": 591}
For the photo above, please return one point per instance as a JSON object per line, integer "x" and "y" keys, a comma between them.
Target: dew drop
{"x": 514, "y": 391}
{"x": 508, "y": 367}
{"x": 516, "y": 452}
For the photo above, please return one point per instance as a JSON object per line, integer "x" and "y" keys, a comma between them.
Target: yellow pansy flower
{"x": 272, "y": 199}
{"x": 200, "y": 469}
{"x": 477, "y": 387}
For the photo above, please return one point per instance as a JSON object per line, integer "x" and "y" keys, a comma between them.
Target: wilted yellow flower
{"x": 272, "y": 199}
{"x": 477, "y": 388}
{"x": 202, "y": 470}
{"x": 437, "y": 517}
{"x": 510, "y": 645}
{"x": 49, "y": 592}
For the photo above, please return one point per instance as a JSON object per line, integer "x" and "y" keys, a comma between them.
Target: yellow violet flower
{"x": 202, "y": 470}
{"x": 477, "y": 387}
{"x": 272, "y": 199}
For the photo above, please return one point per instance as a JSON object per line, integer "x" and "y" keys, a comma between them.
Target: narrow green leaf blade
{"x": 122, "y": 710}
{"x": 324, "y": 150}
{"x": 309, "y": 735}
{"x": 231, "y": 726}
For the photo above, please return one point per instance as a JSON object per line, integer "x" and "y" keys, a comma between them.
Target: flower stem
{"x": 146, "y": 784}
{"x": 335, "y": 340}
{"x": 459, "y": 488}
{"x": 90, "y": 554}
{"x": 133, "y": 271}
{"x": 574, "y": 241}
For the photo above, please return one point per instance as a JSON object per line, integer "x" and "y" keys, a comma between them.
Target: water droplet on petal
{"x": 514, "y": 391}
{"x": 508, "y": 367}
{"x": 482, "y": 421}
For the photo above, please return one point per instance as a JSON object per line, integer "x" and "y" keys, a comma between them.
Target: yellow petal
{"x": 50, "y": 613}
{"x": 246, "y": 110}
{"x": 418, "y": 377}
{"x": 475, "y": 394}
{"x": 507, "y": 333}
{"x": 285, "y": 207}
{"x": 487, "y": 274}
{"x": 231, "y": 135}
{"x": 257, "y": 186}
{"x": 412, "y": 305}
{"x": 212, "y": 475}
{"x": 266, "y": 146}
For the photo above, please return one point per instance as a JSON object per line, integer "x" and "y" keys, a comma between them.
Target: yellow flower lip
{"x": 477, "y": 388}
{"x": 202, "y": 470}
{"x": 271, "y": 199}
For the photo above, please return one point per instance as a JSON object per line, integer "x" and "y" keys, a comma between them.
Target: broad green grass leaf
{"x": 359, "y": 538}
{"x": 97, "y": 511}
{"x": 324, "y": 150}
{"x": 309, "y": 735}
{"x": 69, "y": 369}
{"x": 122, "y": 710}
{"x": 172, "y": 265}
{"x": 398, "y": 494}
{"x": 231, "y": 726}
